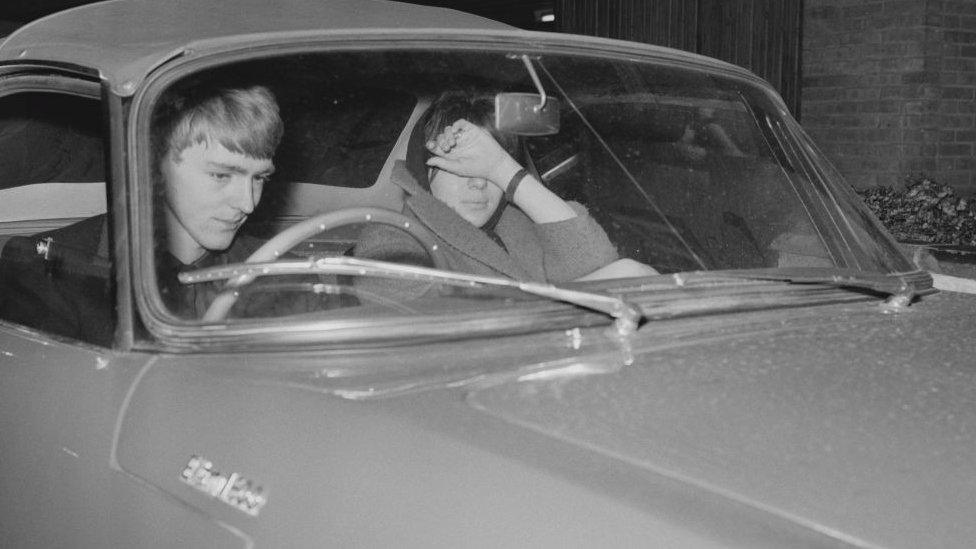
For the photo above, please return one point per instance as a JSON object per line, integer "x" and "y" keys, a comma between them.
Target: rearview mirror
{"x": 525, "y": 114}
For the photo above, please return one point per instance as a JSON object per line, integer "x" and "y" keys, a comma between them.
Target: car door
{"x": 63, "y": 379}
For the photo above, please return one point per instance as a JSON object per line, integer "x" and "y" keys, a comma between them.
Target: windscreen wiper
{"x": 627, "y": 317}
{"x": 901, "y": 288}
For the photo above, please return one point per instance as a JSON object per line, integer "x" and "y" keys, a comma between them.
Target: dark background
{"x": 761, "y": 35}
{"x": 886, "y": 87}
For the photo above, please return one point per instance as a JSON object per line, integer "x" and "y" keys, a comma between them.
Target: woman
{"x": 490, "y": 215}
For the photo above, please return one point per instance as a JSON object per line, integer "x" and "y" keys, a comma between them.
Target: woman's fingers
{"x": 466, "y": 149}
{"x": 451, "y": 166}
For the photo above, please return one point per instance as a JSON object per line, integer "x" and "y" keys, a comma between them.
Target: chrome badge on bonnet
{"x": 232, "y": 488}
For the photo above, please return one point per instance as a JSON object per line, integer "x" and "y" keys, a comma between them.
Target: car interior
{"x": 667, "y": 200}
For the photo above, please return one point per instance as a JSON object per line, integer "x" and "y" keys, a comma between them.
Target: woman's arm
{"x": 621, "y": 268}
{"x": 468, "y": 150}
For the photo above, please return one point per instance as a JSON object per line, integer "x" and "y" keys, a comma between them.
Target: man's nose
{"x": 244, "y": 198}
{"x": 477, "y": 182}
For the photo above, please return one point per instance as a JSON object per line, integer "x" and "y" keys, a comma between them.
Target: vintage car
{"x": 769, "y": 368}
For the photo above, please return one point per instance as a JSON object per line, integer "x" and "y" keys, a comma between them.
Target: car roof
{"x": 124, "y": 40}
{"x": 127, "y": 38}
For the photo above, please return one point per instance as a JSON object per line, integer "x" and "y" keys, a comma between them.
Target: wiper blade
{"x": 627, "y": 317}
{"x": 901, "y": 288}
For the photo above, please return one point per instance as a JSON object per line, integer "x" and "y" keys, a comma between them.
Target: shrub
{"x": 925, "y": 211}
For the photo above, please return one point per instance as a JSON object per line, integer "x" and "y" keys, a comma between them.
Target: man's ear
{"x": 171, "y": 156}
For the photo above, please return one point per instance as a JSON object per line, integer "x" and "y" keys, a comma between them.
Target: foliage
{"x": 925, "y": 211}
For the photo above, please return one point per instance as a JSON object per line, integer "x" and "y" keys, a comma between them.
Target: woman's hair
{"x": 448, "y": 108}
{"x": 244, "y": 120}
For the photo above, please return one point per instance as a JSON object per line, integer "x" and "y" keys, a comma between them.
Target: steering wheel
{"x": 292, "y": 236}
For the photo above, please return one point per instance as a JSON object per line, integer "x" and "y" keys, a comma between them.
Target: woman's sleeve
{"x": 391, "y": 244}
{"x": 574, "y": 247}
{"x": 385, "y": 243}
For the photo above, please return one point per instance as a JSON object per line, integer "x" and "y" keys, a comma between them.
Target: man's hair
{"x": 479, "y": 109}
{"x": 244, "y": 120}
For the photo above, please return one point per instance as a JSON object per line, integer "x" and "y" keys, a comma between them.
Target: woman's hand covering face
{"x": 468, "y": 150}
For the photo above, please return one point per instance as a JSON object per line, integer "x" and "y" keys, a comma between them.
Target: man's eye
{"x": 220, "y": 176}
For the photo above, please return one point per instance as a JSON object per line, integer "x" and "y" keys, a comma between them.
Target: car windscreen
{"x": 668, "y": 166}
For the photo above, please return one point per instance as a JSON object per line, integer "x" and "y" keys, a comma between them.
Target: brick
{"x": 846, "y": 107}
{"x": 913, "y": 48}
{"x": 961, "y": 7}
{"x": 910, "y": 34}
{"x": 904, "y": 6}
{"x": 863, "y": 121}
{"x": 958, "y": 92}
{"x": 955, "y": 149}
{"x": 929, "y": 91}
{"x": 956, "y": 180}
{"x": 829, "y": 80}
{"x": 920, "y": 77}
{"x": 962, "y": 163}
{"x": 919, "y": 107}
{"x": 939, "y": 20}
{"x": 960, "y": 79}
{"x": 955, "y": 121}
{"x": 811, "y": 108}
{"x": 960, "y": 37}
{"x": 921, "y": 165}
{"x": 921, "y": 122}
{"x": 894, "y": 20}
{"x": 959, "y": 64}
{"x": 814, "y": 93}
{"x": 954, "y": 107}
{"x": 822, "y": 12}
{"x": 921, "y": 136}
{"x": 902, "y": 64}
{"x": 880, "y": 106}
{"x": 897, "y": 92}
{"x": 920, "y": 152}
{"x": 864, "y": 94}
{"x": 862, "y": 10}
{"x": 881, "y": 135}
{"x": 890, "y": 121}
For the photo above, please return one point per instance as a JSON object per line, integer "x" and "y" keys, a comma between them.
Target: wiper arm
{"x": 901, "y": 289}
{"x": 627, "y": 317}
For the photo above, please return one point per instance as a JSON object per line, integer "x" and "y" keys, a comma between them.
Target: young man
{"x": 213, "y": 154}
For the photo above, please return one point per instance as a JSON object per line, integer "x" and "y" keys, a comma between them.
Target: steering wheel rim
{"x": 290, "y": 237}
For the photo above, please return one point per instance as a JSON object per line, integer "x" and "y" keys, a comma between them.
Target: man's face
{"x": 210, "y": 191}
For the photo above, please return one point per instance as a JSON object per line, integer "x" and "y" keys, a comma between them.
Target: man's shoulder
{"x": 86, "y": 237}
{"x": 85, "y": 234}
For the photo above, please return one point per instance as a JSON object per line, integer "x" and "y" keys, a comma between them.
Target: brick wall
{"x": 889, "y": 88}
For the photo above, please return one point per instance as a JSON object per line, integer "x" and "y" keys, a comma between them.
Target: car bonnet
{"x": 850, "y": 421}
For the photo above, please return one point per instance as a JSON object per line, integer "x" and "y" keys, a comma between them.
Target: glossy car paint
{"x": 845, "y": 424}
{"x": 756, "y": 434}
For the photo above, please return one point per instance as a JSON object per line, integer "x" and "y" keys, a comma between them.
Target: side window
{"x": 55, "y": 270}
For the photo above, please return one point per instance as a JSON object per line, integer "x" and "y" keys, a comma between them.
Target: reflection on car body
{"x": 761, "y": 365}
